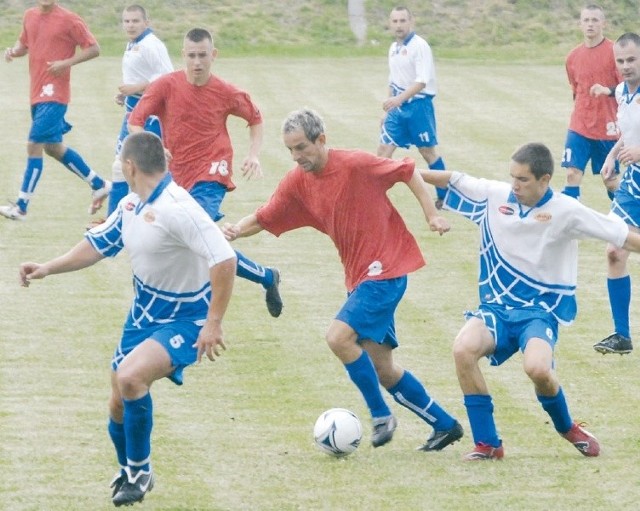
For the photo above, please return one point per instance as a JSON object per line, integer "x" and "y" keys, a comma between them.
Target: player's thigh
{"x": 474, "y": 339}
{"x": 421, "y": 123}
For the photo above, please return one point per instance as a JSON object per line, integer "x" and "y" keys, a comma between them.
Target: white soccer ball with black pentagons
{"x": 337, "y": 432}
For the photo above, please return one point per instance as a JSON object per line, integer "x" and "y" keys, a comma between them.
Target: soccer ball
{"x": 337, "y": 432}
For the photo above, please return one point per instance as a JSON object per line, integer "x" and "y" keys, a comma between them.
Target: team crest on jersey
{"x": 375, "y": 268}
{"x": 149, "y": 217}
{"x": 542, "y": 217}
{"x": 506, "y": 210}
{"x": 129, "y": 206}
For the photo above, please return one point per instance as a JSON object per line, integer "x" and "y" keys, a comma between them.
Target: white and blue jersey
{"x": 411, "y": 61}
{"x": 529, "y": 256}
{"x": 626, "y": 203}
{"x": 172, "y": 243}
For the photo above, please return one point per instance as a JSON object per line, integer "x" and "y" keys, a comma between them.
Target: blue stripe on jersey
{"x": 155, "y": 306}
{"x": 500, "y": 282}
{"x": 106, "y": 238}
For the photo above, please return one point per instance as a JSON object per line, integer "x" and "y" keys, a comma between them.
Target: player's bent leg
{"x": 385, "y": 150}
{"x": 574, "y": 180}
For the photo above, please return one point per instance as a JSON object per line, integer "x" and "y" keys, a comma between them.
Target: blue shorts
{"x": 48, "y": 124}
{"x": 177, "y": 338}
{"x": 626, "y": 206}
{"x": 152, "y": 124}
{"x": 209, "y": 194}
{"x": 578, "y": 150}
{"x": 413, "y": 123}
{"x": 370, "y": 308}
{"x": 512, "y": 328}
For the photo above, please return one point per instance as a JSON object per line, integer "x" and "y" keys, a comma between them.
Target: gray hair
{"x": 305, "y": 120}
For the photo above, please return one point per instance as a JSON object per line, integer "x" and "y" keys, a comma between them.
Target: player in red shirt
{"x": 50, "y": 36}
{"x": 343, "y": 194}
{"x": 592, "y": 127}
{"x": 193, "y": 106}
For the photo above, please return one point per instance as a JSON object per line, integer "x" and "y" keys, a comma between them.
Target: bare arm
{"x": 251, "y": 164}
{"x": 17, "y": 50}
{"x": 420, "y": 190}
{"x": 439, "y": 178}
{"x": 79, "y": 257}
{"x": 58, "y": 66}
{"x": 395, "y": 101}
{"x": 248, "y": 226}
{"x": 211, "y": 336}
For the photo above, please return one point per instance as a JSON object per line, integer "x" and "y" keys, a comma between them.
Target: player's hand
{"x": 599, "y": 90}
{"x": 439, "y": 224}
{"x": 210, "y": 340}
{"x": 391, "y": 103}
{"x": 57, "y": 67}
{"x": 629, "y": 155}
{"x": 119, "y": 99}
{"x": 30, "y": 271}
{"x": 8, "y": 55}
{"x": 230, "y": 231}
{"x": 251, "y": 168}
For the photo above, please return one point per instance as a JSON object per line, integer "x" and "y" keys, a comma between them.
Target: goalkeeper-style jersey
{"x": 529, "y": 256}
{"x": 172, "y": 243}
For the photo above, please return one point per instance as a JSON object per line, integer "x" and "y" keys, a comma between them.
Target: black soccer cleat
{"x": 273, "y": 299}
{"x": 134, "y": 489}
{"x": 440, "y": 439}
{"x": 615, "y": 343}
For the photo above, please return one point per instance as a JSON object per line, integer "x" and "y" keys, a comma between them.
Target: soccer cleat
{"x": 134, "y": 488}
{"x": 485, "y": 452}
{"x": 615, "y": 343}
{"x": 274, "y": 302}
{"x": 439, "y": 203}
{"x": 383, "y": 428}
{"x": 13, "y": 212}
{"x": 117, "y": 482}
{"x": 582, "y": 440}
{"x": 98, "y": 196}
{"x": 440, "y": 439}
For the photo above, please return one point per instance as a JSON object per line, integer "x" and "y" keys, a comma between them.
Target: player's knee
{"x": 539, "y": 373}
{"x": 130, "y": 384}
{"x": 465, "y": 350}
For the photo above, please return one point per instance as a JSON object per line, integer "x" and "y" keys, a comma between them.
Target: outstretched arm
{"x": 439, "y": 178}
{"x": 79, "y": 257}
{"x": 248, "y": 226}
{"x": 420, "y": 190}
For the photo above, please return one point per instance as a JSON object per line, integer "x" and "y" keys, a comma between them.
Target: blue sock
{"x": 558, "y": 410}
{"x": 483, "y": 426}
{"x": 439, "y": 165}
{"x": 74, "y": 162}
{"x": 619, "y": 300}
{"x": 116, "y": 432}
{"x": 411, "y": 394}
{"x": 119, "y": 189}
{"x": 32, "y": 174}
{"x": 363, "y": 374}
{"x": 572, "y": 191}
{"x": 138, "y": 422}
{"x": 247, "y": 269}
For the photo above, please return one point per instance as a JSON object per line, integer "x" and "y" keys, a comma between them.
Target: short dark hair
{"x": 628, "y": 37}
{"x": 199, "y": 34}
{"x": 537, "y": 156}
{"x": 403, "y": 8}
{"x": 145, "y": 149}
{"x": 306, "y": 120}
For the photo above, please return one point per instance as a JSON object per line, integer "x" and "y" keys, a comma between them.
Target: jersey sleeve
{"x": 422, "y": 63}
{"x": 467, "y": 196}
{"x": 158, "y": 61}
{"x": 285, "y": 210}
{"x": 106, "y": 238}
{"x": 151, "y": 103}
{"x": 588, "y": 223}
{"x": 80, "y": 33}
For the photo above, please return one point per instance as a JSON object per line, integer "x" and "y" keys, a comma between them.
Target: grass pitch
{"x": 238, "y": 434}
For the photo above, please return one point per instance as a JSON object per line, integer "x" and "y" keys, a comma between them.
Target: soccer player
{"x": 527, "y": 285}
{"x": 145, "y": 59}
{"x": 183, "y": 272}
{"x": 50, "y": 35}
{"x": 193, "y": 106}
{"x": 626, "y": 202}
{"x": 409, "y": 111}
{"x": 343, "y": 194}
{"x": 592, "y": 128}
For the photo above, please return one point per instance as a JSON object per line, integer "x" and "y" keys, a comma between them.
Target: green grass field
{"x": 238, "y": 434}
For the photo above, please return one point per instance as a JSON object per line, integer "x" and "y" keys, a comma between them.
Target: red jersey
{"x": 347, "y": 200}
{"x": 194, "y": 125}
{"x": 593, "y": 118}
{"x": 51, "y": 36}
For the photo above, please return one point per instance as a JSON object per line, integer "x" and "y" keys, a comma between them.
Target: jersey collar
{"x": 166, "y": 180}
{"x": 543, "y": 200}
{"x": 135, "y": 41}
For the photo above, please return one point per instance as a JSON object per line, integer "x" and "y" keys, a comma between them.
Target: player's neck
{"x": 593, "y": 42}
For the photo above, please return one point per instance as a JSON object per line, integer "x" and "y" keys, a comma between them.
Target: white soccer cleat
{"x": 13, "y": 212}
{"x": 99, "y": 196}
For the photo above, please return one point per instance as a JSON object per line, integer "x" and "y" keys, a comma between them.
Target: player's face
{"x": 198, "y": 58}
{"x": 311, "y": 156}
{"x": 133, "y": 23}
{"x": 527, "y": 189}
{"x": 400, "y": 24}
{"x": 592, "y": 24}
{"x": 628, "y": 64}
{"x": 47, "y": 5}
